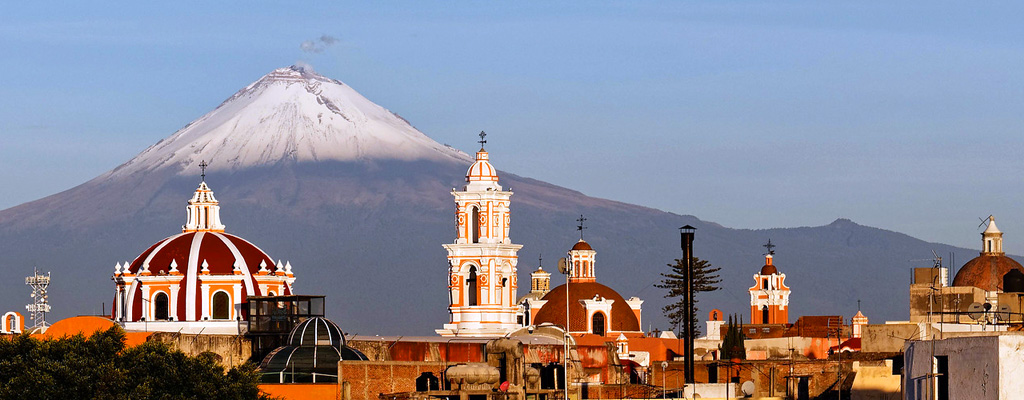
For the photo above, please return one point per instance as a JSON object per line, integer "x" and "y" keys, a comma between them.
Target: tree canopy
{"x": 705, "y": 279}
{"x": 101, "y": 366}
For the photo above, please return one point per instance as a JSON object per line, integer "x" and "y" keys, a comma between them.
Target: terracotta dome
{"x": 986, "y": 271}
{"x": 622, "y": 318}
{"x": 768, "y": 269}
{"x": 581, "y": 245}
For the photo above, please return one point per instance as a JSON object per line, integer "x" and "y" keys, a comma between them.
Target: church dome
{"x": 986, "y": 272}
{"x": 200, "y": 274}
{"x": 622, "y": 318}
{"x": 582, "y": 245}
{"x": 482, "y": 170}
{"x": 768, "y": 269}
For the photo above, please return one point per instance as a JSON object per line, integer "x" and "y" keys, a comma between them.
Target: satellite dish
{"x": 747, "y": 388}
{"x": 563, "y": 265}
{"x": 1003, "y": 313}
{"x": 976, "y": 311}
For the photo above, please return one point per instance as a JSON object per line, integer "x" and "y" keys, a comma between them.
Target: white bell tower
{"x": 482, "y": 261}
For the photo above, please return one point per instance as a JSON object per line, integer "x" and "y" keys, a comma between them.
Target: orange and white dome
{"x": 482, "y": 170}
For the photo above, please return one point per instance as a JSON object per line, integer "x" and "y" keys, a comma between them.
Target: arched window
{"x": 271, "y": 293}
{"x": 160, "y": 311}
{"x": 764, "y": 315}
{"x": 221, "y": 306}
{"x": 597, "y": 324}
{"x": 471, "y": 286}
{"x": 475, "y": 224}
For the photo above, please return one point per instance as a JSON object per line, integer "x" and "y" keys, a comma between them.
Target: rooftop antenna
{"x": 770, "y": 246}
{"x": 482, "y": 141}
{"x": 202, "y": 167}
{"x": 39, "y": 307}
{"x": 984, "y": 220}
{"x": 581, "y": 227}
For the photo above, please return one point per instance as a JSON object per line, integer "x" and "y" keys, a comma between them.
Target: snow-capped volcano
{"x": 287, "y": 163}
{"x": 291, "y": 114}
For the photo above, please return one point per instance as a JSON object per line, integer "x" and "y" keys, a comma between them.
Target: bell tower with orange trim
{"x": 482, "y": 261}
{"x": 769, "y": 297}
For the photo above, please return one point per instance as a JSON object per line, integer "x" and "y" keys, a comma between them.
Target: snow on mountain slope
{"x": 291, "y": 114}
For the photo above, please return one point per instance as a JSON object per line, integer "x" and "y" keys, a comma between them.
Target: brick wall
{"x": 369, "y": 379}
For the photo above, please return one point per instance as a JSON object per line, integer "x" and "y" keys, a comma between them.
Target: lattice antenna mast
{"x": 39, "y": 307}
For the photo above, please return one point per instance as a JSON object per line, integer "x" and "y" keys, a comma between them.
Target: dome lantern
{"x": 203, "y": 212}
{"x": 992, "y": 239}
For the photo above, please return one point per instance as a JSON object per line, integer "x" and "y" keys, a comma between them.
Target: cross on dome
{"x": 482, "y": 175}
{"x": 581, "y": 227}
{"x": 770, "y": 247}
{"x": 202, "y": 168}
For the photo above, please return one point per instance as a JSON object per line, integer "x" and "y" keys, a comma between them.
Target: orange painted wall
{"x": 777, "y": 315}
{"x": 87, "y": 325}
{"x": 301, "y": 391}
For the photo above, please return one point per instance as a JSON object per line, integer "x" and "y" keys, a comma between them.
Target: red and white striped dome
{"x": 201, "y": 274}
{"x": 482, "y": 170}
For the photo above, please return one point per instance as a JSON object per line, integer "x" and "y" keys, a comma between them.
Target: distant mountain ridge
{"x": 358, "y": 200}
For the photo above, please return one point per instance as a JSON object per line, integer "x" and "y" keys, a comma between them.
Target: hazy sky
{"x": 749, "y": 114}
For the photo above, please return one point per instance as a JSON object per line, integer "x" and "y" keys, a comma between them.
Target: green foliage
{"x": 705, "y": 279}
{"x": 732, "y": 343}
{"x": 102, "y": 367}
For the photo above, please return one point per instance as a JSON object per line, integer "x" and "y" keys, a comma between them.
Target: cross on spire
{"x": 482, "y": 141}
{"x": 580, "y": 227}
{"x": 858, "y": 305}
{"x": 770, "y": 246}
{"x": 202, "y": 167}
{"x": 540, "y": 259}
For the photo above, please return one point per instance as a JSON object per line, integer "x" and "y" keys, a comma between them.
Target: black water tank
{"x": 427, "y": 381}
{"x": 1013, "y": 281}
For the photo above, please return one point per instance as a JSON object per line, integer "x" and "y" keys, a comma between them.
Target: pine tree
{"x": 705, "y": 279}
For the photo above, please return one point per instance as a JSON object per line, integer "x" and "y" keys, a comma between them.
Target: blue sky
{"x": 753, "y": 115}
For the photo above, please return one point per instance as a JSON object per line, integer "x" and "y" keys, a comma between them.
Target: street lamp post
{"x": 686, "y": 243}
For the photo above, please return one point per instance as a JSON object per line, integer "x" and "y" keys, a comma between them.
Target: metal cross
{"x": 482, "y": 141}
{"x": 858, "y": 304}
{"x": 770, "y": 246}
{"x": 202, "y": 167}
{"x": 580, "y": 227}
{"x": 540, "y": 259}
